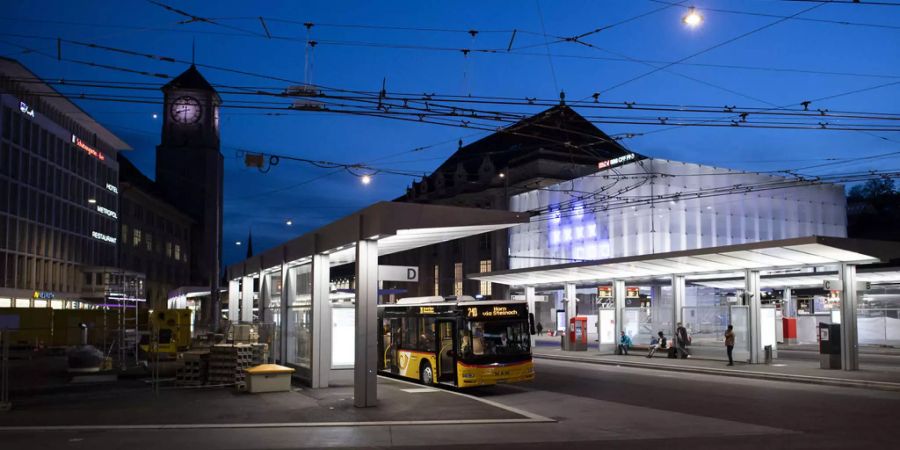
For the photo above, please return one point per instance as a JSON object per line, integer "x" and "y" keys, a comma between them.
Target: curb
{"x": 843, "y": 382}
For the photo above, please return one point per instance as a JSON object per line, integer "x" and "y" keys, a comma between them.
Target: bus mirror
{"x": 531, "y": 323}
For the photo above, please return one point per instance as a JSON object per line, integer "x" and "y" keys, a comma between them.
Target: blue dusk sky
{"x": 413, "y": 47}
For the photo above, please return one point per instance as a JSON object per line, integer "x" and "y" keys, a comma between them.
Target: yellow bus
{"x": 459, "y": 342}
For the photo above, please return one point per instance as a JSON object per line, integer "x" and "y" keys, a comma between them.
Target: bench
{"x": 643, "y": 349}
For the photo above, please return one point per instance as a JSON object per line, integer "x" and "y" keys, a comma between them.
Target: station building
{"x": 635, "y": 244}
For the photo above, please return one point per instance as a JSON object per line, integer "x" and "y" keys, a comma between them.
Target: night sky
{"x": 346, "y": 58}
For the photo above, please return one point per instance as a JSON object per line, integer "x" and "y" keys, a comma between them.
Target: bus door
{"x": 391, "y": 338}
{"x": 446, "y": 338}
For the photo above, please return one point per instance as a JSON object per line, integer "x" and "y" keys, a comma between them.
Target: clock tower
{"x": 189, "y": 169}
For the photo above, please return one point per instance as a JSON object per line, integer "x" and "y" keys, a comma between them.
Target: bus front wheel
{"x": 426, "y": 374}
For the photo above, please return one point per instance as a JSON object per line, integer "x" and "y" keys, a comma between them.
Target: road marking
{"x": 527, "y": 417}
{"x": 532, "y": 417}
{"x": 419, "y": 390}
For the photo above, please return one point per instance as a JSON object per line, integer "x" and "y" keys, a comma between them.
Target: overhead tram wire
{"x": 708, "y": 49}
{"x": 804, "y": 19}
{"x": 439, "y": 100}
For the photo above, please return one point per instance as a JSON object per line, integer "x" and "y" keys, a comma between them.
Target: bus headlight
{"x": 468, "y": 375}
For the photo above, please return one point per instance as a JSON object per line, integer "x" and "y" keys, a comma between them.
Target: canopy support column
{"x": 677, "y": 301}
{"x": 529, "y": 298}
{"x": 751, "y": 293}
{"x": 618, "y": 289}
{"x": 247, "y": 300}
{"x": 849, "y": 332}
{"x": 366, "y": 356}
{"x": 234, "y": 300}
{"x": 570, "y": 305}
{"x": 321, "y": 321}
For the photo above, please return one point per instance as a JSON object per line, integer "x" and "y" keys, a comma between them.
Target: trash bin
{"x": 829, "y": 345}
{"x": 768, "y": 353}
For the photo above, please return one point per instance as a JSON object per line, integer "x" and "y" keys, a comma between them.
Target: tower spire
{"x": 193, "y": 50}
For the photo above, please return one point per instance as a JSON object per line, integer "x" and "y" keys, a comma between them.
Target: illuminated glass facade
{"x": 58, "y": 190}
{"x": 654, "y": 205}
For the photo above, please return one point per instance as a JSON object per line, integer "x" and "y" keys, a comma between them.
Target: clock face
{"x": 186, "y": 110}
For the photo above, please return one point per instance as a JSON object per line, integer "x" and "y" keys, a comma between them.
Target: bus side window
{"x": 477, "y": 338}
{"x": 426, "y": 334}
{"x": 411, "y": 333}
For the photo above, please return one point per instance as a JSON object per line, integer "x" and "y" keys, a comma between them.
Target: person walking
{"x": 729, "y": 343}
{"x": 624, "y": 344}
{"x": 660, "y": 343}
{"x": 540, "y": 329}
{"x": 681, "y": 341}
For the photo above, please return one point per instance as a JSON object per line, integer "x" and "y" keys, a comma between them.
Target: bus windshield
{"x": 495, "y": 338}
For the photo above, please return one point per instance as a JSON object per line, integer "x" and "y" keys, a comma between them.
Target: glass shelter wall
{"x": 299, "y": 320}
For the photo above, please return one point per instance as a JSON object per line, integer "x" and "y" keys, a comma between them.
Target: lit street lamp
{"x": 692, "y": 19}
{"x": 366, "y": 179}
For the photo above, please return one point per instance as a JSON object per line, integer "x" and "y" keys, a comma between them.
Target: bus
{"x": 459, "y": 342}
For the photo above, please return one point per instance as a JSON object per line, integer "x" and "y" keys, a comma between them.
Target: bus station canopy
{"x": 395, "y": 226}
{"x": 776, "y": 254}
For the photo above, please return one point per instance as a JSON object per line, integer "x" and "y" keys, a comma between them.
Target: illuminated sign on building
{"x": 103, "y": 237}
{"x": 90, "y": 150}
{"x": 44, "y": 295}
{"x": 615, "y": 161}
{"x": 25, "y": 109}
{"x": 108, "y": 212}
{"x": 112, "y": 188}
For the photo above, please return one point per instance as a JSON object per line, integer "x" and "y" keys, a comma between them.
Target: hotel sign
{"x": 103, "y": 237}
{"x": 88, "y": 149}
{"x": 107, "y": 211}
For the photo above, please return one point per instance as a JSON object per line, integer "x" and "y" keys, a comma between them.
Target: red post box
{"x": 578, "y": 333}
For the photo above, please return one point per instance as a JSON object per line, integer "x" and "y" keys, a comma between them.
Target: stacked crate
{"x": 260, "y": 354}
{"x": 227, "y": 363}
{"x": 194, "y": 372}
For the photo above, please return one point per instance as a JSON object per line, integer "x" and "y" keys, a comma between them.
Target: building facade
{"x": 58, "y": 193}
{"x": 642, "y": 206}
{"x": 552, "y": 146}
{"x": 155, "y": 236}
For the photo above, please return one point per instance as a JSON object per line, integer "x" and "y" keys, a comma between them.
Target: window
{"x": 177, "y": 252}
{"x": 411, "y": 332}
{"x": 458, "y": 279}
{"x": 168, "y": 249}
{"x": 149, "y": 242}
{"x": 437, "y": 279}
{"x": 483, "y": 267}
{"x": 495, "y": 338}
{"x": 137, "y": 237}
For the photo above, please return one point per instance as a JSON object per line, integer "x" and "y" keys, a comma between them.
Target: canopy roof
{"x": 396, "y": 227}
{"x": 775, "y": 254}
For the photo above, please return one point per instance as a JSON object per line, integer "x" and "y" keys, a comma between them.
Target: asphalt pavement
{"x": 593, "y": 407}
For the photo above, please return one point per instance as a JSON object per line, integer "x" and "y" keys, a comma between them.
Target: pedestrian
{"x": 660, "y": 343}
{"x": 540, "y": 328}
{"x": 681, "y": 341}
{"x": 729, "y": 343}
{"x": 624, "y": 344}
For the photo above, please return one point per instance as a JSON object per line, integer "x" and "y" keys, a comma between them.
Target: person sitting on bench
{"x": 660, "y": 343}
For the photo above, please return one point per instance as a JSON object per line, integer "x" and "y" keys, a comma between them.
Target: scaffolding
{"x": 125, "y": 292}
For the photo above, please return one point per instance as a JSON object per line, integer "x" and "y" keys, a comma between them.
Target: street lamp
{"x": 238, "y": 243}
{"x": 92, "y": 200}
{"x": 366, "y": 179}
{"x": 692, "y": 19}
{"x": 289, "y": 222}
